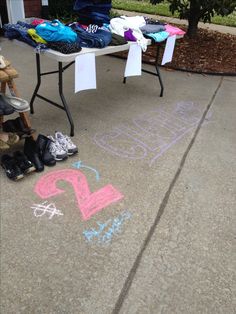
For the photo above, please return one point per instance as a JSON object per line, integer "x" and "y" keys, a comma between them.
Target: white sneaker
{"x": 57, "y": 150}
{"x": 66, "y": 143}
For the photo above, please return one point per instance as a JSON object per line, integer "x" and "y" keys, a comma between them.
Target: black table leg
{"x": 60, "y": 84}
{"x": 158, "y": 71}
{"x": 153, "y": 73}
{"x": 38, "y": 68}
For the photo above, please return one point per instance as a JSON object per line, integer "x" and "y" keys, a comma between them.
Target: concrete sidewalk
{"x": 163, "y": 170}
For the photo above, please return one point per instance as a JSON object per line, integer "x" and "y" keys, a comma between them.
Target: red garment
{"x": 37, "y": 22}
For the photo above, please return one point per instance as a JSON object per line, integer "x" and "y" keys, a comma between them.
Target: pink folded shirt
{"x": 172, "y": 30}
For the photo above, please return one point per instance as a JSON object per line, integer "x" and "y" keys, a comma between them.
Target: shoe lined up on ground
{"x": 16, "y": 165}
{"x": 23, "y": 162}
{"x": 66, "y": 143}
{"x": 43, "y": 145}
{"x": 44, "y": 151}
{"x": 31, "y": 151}
{"x": 39, "y": 152}
{"x": 12, "y": 170}
{"x": 57, "y": 151}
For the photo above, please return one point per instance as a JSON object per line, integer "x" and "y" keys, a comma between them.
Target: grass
{"x": 144, "y": 6}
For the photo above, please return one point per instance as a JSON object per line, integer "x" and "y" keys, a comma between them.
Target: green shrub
{"x": 60, "y": 8}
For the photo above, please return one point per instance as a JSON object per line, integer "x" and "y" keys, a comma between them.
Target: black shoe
{"x": 43, "y": 144}
{"x": 5, "y": 107}
{"x": 31, "y": 151}
{"x": 23, "y": 162}
{"x": 11, "y": 168}
{"x": 17, "y": 126}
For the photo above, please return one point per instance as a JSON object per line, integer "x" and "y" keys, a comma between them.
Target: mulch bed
{"x": 210, "y": 52}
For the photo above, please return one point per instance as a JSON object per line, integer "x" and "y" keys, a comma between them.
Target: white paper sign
{"x": 85, "y": 72}
{"x": 134, "y": 61}
{"x": 169, "y": 50}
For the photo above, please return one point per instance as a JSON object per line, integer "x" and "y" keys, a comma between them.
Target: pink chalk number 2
{"x": 88, "y": 203}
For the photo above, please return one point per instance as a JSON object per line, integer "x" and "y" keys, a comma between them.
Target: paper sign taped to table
{"x": 85, "y": 72}
{"x": 169, "y": 50}
{"x": 134, "y": 61}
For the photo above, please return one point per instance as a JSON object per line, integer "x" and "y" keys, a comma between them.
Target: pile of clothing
{"x": 44, "y": 34}
{"x": 94, "y": 29}
{"x": 93, "y": 11}
{"x": 140, "y": 29}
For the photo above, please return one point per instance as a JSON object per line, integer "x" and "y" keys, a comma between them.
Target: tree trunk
{"x": 193, "y": 18}
{"x": 192, "y": 27}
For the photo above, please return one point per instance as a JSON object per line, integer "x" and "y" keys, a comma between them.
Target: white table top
{"x": 61, "y": 57}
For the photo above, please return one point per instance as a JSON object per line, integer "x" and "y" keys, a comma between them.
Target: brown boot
{"x": 11, "y": 72}
{"x": 3, "y": 145}
{"x": 3, "y": 76}
{"x": 13, "y": 138}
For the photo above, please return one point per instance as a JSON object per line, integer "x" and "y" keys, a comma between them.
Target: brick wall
{"x": 32, "y": 8}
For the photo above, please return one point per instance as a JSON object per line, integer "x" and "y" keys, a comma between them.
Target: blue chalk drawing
{"x": 106, "y": 231}
{"x": 92, "y": 233}
{"x": 79, "y": 164}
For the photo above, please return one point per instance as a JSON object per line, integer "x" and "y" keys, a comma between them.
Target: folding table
{"x": 69, "y": 59}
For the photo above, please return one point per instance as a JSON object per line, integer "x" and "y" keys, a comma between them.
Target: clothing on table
{"x": 152, "y": 28}
{"x": 35, "y": 36}
{"x": 36, "y": 22}
{"x": 128, "y": 35}
{"x": 150, "y": 20}
{"x": 117, "y": 40}
{"x": 173, "y": 30}
{"x": 80, "y": 4}
{"x": 56, "y": 31}
{"x": 119, "y": 25}
{"x": 63, "y": 47}
{"x": 158, "y": 37}
{"x": 92, "y": 28}
{"x": 100, "y": 39}
{"x": 19, "y": 31}
{"x": 93, "y": 12}
{"x": 93, "y": 18}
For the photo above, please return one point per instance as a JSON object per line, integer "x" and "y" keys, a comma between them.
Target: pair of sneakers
{"x": 16, "y": 165}
{"x": 61, "y": 146}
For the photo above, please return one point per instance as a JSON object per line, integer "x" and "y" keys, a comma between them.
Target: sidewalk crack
{"x": 129, "y": 280}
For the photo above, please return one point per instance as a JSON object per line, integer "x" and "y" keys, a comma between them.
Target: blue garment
{"x": 93, "y": 11}
{"x": 100, "y": 39}
{"x": 19, "y": 31}
{"x": 81, "y": 4}
{"x": 93, "y": 18}
{"x": 158, "y": 37}
{"x": 56, "y": 31}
